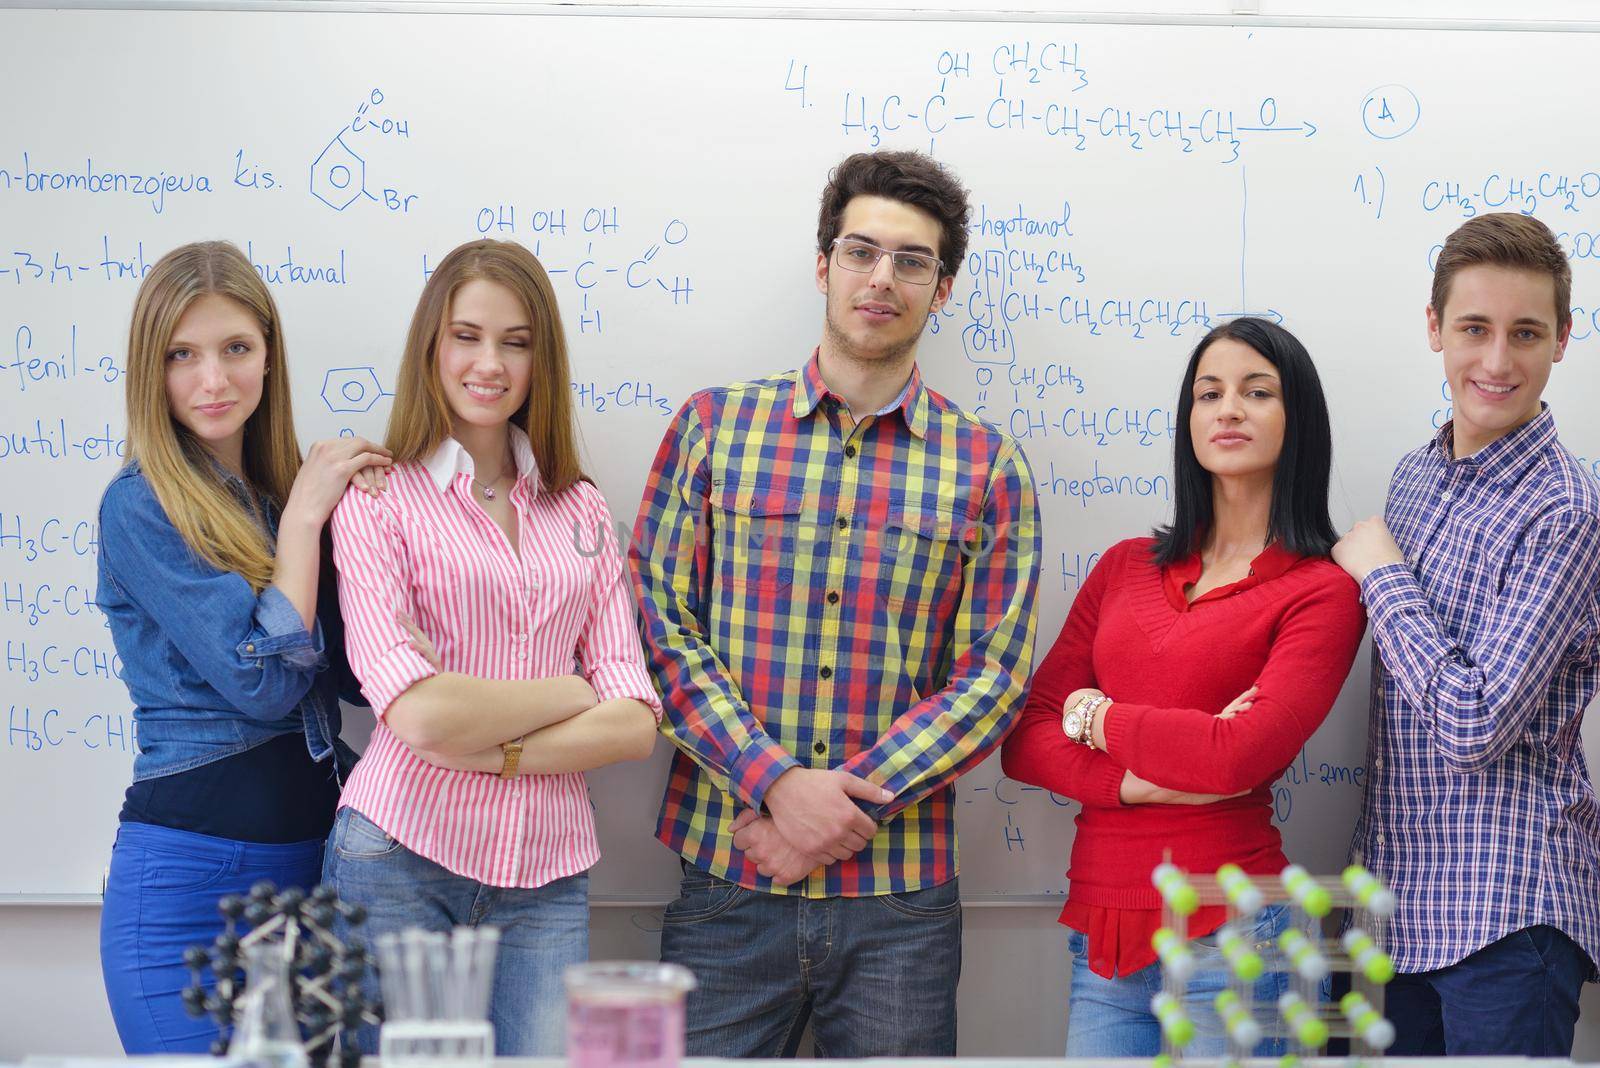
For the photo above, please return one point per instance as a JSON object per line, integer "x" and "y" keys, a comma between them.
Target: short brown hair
{"x": 1505, "y": 239}
{"x": 420, "y": 419}
{"x": 910, "y": 177}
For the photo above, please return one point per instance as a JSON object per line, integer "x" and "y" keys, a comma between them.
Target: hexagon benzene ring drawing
{"x": 338, "y": 175}
{"x": 352, "y": 389}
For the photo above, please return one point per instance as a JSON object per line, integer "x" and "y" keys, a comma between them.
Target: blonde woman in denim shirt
{"x": 217, "y": 586}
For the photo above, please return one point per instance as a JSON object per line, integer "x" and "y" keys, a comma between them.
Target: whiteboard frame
{"x": 931, "y": 14}
{"x": 581, "y": 9}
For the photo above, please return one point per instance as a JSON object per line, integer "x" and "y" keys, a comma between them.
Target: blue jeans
{"x": 1517, "y": 996}
{"x": 878, "y": 974}
{"x": 161, "y": 898}
{"x": 542, "y": 930}
{"x": 1112, "y": 1017}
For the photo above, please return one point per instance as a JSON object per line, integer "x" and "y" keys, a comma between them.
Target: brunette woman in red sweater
{"x": 1191, "y": 669}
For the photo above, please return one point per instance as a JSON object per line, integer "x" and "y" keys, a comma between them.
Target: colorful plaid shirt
{"x": 1479, "y": 810}
{"x": 819, "y": 595}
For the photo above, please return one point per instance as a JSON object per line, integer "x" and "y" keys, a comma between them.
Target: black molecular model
{"x": 325, "y": 976}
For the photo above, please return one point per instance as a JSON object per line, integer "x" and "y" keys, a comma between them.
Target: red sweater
{"x": 1169, "y": 672}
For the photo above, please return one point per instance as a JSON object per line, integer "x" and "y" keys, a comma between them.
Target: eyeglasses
{"x": 913, "y": 268}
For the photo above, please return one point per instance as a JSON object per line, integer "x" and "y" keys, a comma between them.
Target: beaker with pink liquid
{"x": 624, "y": 1013}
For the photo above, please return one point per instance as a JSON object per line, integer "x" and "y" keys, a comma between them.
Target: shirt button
{"x": 1379, "y": 839}
{"x": 1445, "y": 495}
{"x": 833, "y": 596}
{"x": 523, "y": 655}
{"x": 850, "y": 451}
{"x": 843, "y": 523}
{"x": 819, "y": 749}
{"x": 1377, "y": 763}
{"x": 826, "y": 672}
{"x": 250, "y": 648}
{"x": 522, "y": 638}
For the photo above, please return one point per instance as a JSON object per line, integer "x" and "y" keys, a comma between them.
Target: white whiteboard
{"x": 1130, "y": 182}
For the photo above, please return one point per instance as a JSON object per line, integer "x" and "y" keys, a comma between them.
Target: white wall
{"x": 1571, "y": 14}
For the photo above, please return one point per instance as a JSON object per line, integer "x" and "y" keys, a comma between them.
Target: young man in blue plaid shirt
{"x": 1482, "y": 584}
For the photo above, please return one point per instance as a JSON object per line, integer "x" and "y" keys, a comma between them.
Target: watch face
{"x": 1072, "y": 724}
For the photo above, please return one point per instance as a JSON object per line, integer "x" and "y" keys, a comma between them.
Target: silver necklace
{"x": 488, "y": 487}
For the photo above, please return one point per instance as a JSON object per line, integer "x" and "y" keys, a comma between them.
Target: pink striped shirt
{"x": 558, "y": 607}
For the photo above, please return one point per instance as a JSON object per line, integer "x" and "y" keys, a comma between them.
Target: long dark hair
{"x": 1298, "y": 519}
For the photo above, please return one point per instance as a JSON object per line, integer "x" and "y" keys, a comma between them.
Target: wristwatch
{"x": 511, "y": 756}
{"x": 1077, "y": 722}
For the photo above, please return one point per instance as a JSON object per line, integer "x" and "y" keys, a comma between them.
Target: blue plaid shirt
{"x": 1479, "y": 810}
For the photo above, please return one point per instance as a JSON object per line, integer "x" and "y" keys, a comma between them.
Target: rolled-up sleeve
{"x": 251, "y": 648}
{"x": 369, "y": 551}
{"x": 282, "y": 633}
{"x": 609, "y": 646}
{"x": 1037, "y": 752}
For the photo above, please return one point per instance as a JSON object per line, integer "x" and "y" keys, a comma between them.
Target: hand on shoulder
{"x": 1366, "y": 547}
{"x": 332, "y": 465}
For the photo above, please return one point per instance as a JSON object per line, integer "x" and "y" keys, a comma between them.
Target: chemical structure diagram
{"x": 339, "y": 173}
{"x": 556, "y": 235}
{"x": 352, "y": 389}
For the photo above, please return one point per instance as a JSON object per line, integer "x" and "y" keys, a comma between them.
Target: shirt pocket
{"x": 920, "y": 556}
{"x": 759, "y": 536}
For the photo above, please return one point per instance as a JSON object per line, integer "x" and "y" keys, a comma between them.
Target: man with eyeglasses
{"x": 836, "y": 568}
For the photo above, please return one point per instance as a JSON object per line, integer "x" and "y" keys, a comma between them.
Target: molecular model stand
{"x": 1301, "y": 1016}
{"x": 325, "y": 1003}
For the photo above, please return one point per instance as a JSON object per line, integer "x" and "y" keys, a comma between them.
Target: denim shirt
{"x": 213, "y": 668}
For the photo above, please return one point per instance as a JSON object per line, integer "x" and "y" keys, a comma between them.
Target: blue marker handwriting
{"x": 95, "y": 181}
{"x": 38, "y": 730}
{"x": 626, "y": 396}
{"x": 37, "y": 602}
{"x": 1498, "y": 192}
{"x": 32, "y": 537}
{"x": 46, "y": 659}
{"x": 55, "y": 440}
{"x": 32, "y": 361}
{"x": 1098, "y": 484}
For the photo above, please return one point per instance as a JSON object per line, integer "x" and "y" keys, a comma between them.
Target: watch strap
{"x": 510, "y": 757}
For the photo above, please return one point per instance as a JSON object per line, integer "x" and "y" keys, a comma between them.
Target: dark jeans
{"x": 877, "y": 975}
{"x": 1517, "y": 996}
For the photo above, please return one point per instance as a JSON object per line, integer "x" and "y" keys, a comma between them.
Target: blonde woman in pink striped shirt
{"x": 469, "y": 805}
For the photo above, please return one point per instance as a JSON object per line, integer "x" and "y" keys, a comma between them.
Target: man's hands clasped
{"x": 813, "y": 820}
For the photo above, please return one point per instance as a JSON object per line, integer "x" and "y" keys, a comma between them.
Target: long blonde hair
{"x": 215, "y": 524}
{"x": 420, "y": 419}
